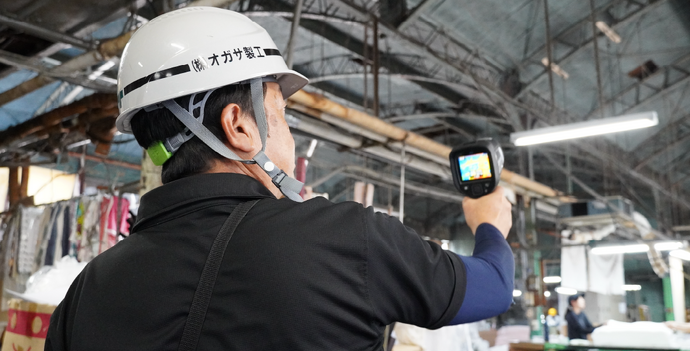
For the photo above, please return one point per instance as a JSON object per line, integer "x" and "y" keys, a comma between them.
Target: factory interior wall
{"x": 461, "y": 240}
{"x": 600, "y": 308}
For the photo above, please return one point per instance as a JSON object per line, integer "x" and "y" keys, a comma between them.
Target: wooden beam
{"x": 13, "y": 186}
{"x": 54, "y": 117}
{"x": 106, "y": 161}
{"x": 24, "y": 185}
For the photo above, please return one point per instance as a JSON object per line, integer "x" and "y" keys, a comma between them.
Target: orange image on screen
{"x": 473, "y": 167}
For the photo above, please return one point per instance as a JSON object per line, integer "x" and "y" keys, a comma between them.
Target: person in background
{"x": 579, "y": 325}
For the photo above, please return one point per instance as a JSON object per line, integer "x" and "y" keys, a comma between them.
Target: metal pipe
{"x": 365, "y": 64}
{"x": 107, "y": 161}
{"x": 569, "y": 171}
{"x": 48, "y": 34}
{"x": 549, "y": 54}
{"x": 376, "y": 67}
{"x": 293, "y": 33}
{"x": 401, "y": 209}
{"x": 595, "y": 41}
{"x": 326, "y": 132}
{"x": 339, "y": 122}
{"x": 313, "y": 104}
{"x": 105, "y": 50}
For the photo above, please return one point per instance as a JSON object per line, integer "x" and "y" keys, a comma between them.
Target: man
{"x": 578, "y": 323}
{"x": 224, "y": 255}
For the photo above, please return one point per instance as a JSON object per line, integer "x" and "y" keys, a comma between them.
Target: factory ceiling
{"x": 448, "y": 70}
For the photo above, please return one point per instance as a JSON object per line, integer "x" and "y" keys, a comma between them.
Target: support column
{"x": 376, "y": 67}
{"x": 677, "y": 288}
{"x": 668, "y": 298}
{"x": 401, "y": 210}
{"x": 24, "y": 184}
{"x": 531, "y": 229}
{"x": 13, "y": 189}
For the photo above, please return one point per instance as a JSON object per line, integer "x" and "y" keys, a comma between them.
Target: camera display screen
{"x": 475, "y": 167}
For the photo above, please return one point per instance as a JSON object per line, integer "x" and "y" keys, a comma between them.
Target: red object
{"x": 301, "y": 172}
{"x": 31, "y": 324}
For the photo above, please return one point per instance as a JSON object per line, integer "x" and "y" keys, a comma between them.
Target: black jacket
{"x": 295, "y": 276}
{"x": 578, "y": 325}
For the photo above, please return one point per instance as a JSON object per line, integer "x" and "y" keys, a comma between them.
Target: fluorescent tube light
{"x": 555, "y": 68}
{"x": 608, "y": 31}
{"x": 517, "y": 293}
{"x": 668, "y": 246}
{"x": 632, "y": 287}
{"x": 566, "y": 291}
{"x": 312, "y": 147}
{"x": 547, "y": 294}
{"x": 585, "y": 129}
{"x": 552, "y": 280}
{"x": 620, "y": 249}
{"x": 682, "y": 254}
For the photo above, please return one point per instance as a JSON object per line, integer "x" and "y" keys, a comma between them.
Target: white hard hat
{"x": 193, "y": 50}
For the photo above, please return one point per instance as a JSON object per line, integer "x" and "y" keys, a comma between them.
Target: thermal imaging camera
{"x": 476, "y": 167}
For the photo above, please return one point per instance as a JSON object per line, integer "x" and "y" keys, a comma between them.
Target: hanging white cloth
{"x": 606, "y": 275}
{"x": 574, "y": 267}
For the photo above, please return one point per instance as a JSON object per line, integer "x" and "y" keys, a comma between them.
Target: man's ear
{"x": 241, "y": 132}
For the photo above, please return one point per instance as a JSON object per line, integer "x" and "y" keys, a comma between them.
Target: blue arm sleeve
{"x": 490, "y": 272}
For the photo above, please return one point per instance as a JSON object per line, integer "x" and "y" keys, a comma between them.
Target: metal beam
{"x": 681, "y": 180}
{"x": 48, "y": 34}
{"x": 293, "y": 33}
{"x": 312, "y": 16}
{"x": 36, "y": 65}
{"x": 394, "y": 63}
{"x": 662, "y": 151}
{"x": 654, "y": 138}
{"x": 585, "y": 44}
{"x": 410, "y": 77}
{"x": 625, "y": 169}
{"x": 416, "y": 12}
{"x": 659, "y": 94}
{"x": 456, "y": 59}
{"x": 618, "y": 98}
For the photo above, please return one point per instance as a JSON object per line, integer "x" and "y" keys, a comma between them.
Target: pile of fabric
{"x": 34, "y": 237}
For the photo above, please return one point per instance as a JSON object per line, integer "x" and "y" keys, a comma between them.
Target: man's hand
{"x": 493, "y": 208}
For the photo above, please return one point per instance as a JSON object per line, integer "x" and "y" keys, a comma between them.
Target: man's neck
{"x": 577, "y": 310}
{"x": 254, "y": 171}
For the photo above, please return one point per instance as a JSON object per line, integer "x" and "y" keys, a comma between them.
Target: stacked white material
{"x": 50, "y": 284}
{"x": 647, "y": 335}
{"x": 464, "y": 337}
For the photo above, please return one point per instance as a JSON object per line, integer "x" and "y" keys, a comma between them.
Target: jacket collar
{"x": 196, "y": 189}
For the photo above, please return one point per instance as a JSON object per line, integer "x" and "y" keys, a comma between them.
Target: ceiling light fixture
{"x": 585, "y": 129}
{"x": 312, "y": 147}
{"x": 566, "y": 291}
{"x": 547, "y": 294}
{"x": 636, "y": 248}
{"x": 682, "y": 254}
{"x": 632, "y": 287}
{"x": 668, "y": 246}
{"x": 555, "y": 68}
{"x": 552, "y": 280}
{"x": 608, "y": 31}
{"x": 517, "y": 293}
{"x": 620, "y": 249}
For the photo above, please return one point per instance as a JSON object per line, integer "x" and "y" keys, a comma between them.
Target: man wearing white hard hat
{"x": 225, "y": 255}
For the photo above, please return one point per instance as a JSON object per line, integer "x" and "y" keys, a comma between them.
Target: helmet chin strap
{"x": 288, "y": 186}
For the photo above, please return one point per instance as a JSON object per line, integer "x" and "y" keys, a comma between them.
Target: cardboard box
{"x": 27, "y": 326}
